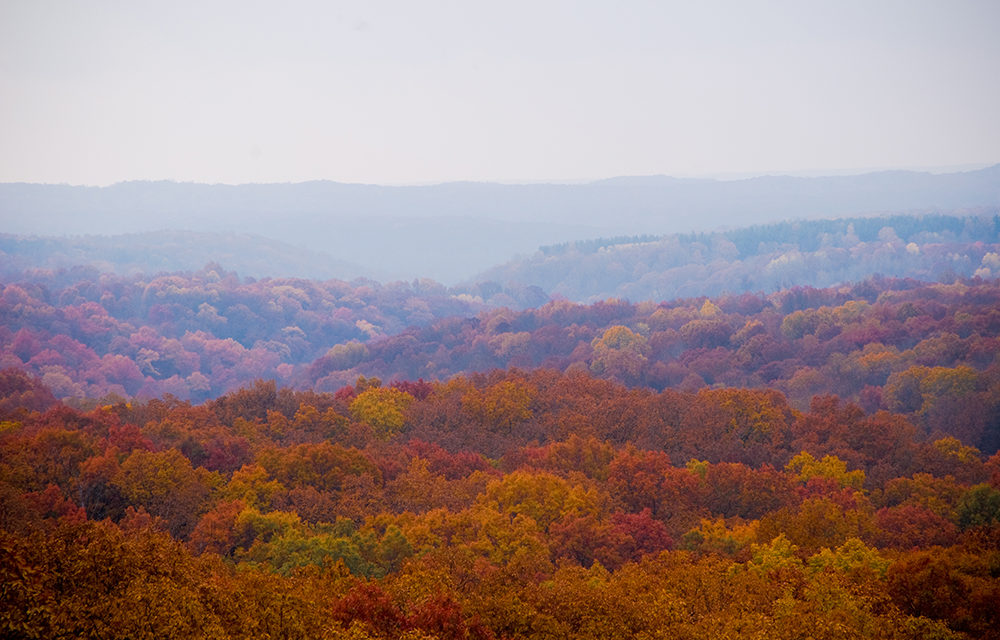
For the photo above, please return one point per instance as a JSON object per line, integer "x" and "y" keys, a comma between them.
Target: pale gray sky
{"x": 96, "y": 92}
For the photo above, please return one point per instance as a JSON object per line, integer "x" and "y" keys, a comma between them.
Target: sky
{"x": 99, "y": 92}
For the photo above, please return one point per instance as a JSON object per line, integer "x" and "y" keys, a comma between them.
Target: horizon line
{"x": 715, "y": 177}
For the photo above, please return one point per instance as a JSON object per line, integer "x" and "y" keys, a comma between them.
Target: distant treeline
{"x": 450, "y": 232}
{"x": 810, "y": 235}
{"x": 762, "y": 258}
{"x": 158, "y": 252}
{"x": 592, "y": 246}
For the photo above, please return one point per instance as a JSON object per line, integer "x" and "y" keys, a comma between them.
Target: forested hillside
{"x": 509, "y": 505}
{"x": 763, "y": 258}
{"x": 203, "y": 455}
{"x": 196, "y": 335}
{"x": 881, "y": 343}
{"x": 817, "y": 253}
{"x": 499, "y": 320}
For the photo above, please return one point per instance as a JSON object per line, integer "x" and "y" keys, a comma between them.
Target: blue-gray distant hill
{"x": 451, "y": 231}
{"x": 172, "y": 251}
{"x": 760, "y": 258}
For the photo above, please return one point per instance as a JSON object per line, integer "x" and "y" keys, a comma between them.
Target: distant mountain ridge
{"x": 173, "y": 251}
{"x": 451, "y": 231}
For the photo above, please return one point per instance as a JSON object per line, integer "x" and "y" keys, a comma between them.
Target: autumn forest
{"x": 200, "y": 454}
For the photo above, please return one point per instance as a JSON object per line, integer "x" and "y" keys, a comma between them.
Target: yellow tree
{"x": 620, "y": 353}
{"x": 500, "y": 406}
{"x": 165, "y": 483}
{"x": 544, "y": 497}
{"x": 383, "y": 409}
{"x": 806, "y": 467}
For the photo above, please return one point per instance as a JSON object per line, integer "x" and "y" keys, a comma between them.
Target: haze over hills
{"x": 452, "y": 231}
{"x": 817, "y": 253}
{"x": 561, "y": 354}
{"x": 196, "y": 333}
{"x": 171, "y": 251}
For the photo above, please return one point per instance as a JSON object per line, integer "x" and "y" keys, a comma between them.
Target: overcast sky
{"x": 403, "y": 92}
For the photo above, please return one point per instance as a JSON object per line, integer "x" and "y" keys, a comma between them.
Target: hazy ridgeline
{"x": 450, "y": 232}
